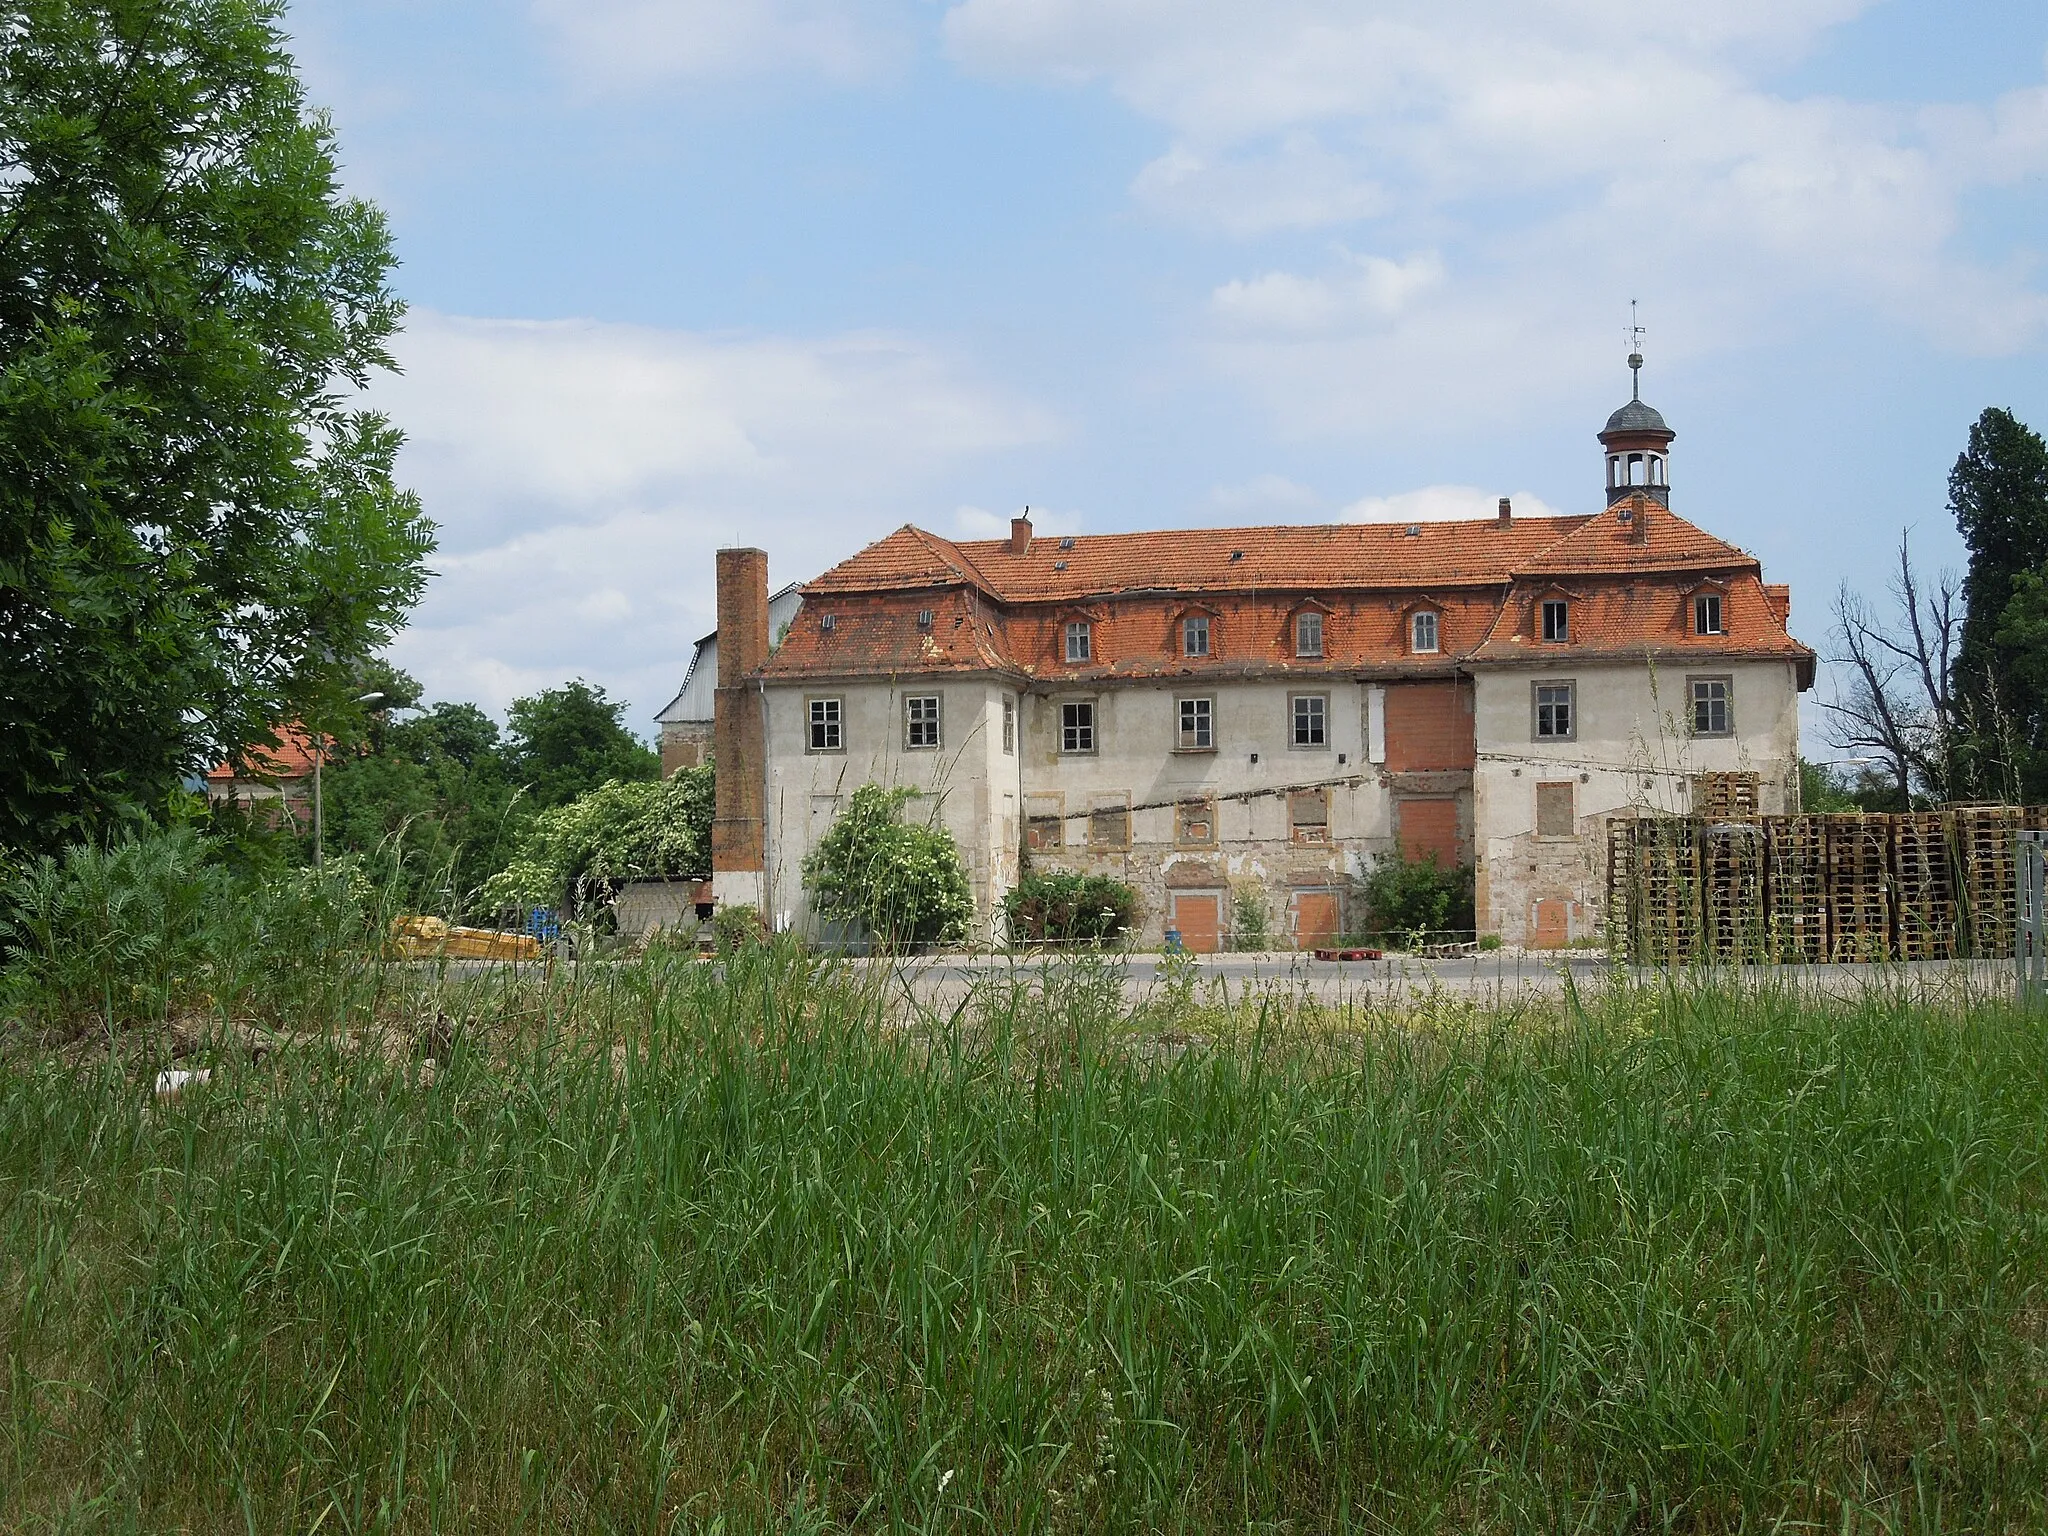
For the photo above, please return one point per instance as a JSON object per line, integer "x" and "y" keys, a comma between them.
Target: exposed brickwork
{"x": 1430, "y": 726}
{"x": 738, "y": 839}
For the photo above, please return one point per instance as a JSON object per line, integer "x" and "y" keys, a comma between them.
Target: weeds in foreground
{"x": 670, "y": 1246}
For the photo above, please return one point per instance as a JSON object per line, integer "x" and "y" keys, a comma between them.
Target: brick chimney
{"x": 1637, "y": 511}
{"x": 1507, "y": 511}
{"x": 1020, "y": 534}
{"x": 739, "y": 852}
{"x": 1780, "y": 597}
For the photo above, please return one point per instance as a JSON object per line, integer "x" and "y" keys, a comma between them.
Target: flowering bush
{"x": 903, "y": 881}
{"x": 1059, "y": 906}
{"x": 618, "y": 832}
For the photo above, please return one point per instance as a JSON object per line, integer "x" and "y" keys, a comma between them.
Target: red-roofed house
{"x": 273, "y": 783}
{"x": 1267, "y": 711}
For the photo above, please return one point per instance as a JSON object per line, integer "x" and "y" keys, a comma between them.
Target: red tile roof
{"x": 995, "y": 610}
{"x": 291, "y": 758}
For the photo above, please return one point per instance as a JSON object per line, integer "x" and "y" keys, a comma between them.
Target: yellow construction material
{"x": 429, "y": 938}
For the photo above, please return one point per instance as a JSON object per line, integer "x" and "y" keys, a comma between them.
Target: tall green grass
{"x": 675, "y": 1247}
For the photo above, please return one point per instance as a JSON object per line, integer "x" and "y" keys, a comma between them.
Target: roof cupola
{"x": 1638, "y": 447}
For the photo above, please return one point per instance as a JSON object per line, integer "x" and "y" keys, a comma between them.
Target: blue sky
{"x": 794, "y": 272}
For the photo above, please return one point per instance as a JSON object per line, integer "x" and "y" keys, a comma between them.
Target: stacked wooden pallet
{"x": 1987, "y": 850}
{"x": 1732, "y": 909}
{"x": 1796, "y": 888}
{"x": 1859, "y": 887}
{"x": 1923, "y": 869}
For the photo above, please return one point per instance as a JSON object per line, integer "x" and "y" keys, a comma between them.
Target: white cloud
{"x": 1441, "y": 504}
{"x": 640, "y": 41}
{"x": 583, "y": 476}
{"x": 1271, "y": 496}
{"x": 1555, "y": 158}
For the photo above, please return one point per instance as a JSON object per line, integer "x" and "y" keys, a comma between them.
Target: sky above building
{"x": 690, "y": 273}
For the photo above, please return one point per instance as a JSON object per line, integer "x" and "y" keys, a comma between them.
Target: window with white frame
{"x": 1311, "y": 712}
{"x": 1308, "y": 634}
{"x": 1077, "y": 726}
{"x": 1194, "y": 636}
{"x": 921, "y": 721}
{"x": 1197, "y": 725}
{"x": 1080, "y": 641}
{"x": 828, "y": 722}
{"x": 1009, "y": 725}
{"x": 1706, "y": 613}
{"x": 1712, "y": 711}
{"x": 1556, "y": 712}
{"x": 1557, "y": 619}
{"x": 1422, "y": 633}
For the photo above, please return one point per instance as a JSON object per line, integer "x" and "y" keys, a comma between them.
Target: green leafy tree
{"x": 1998, "y": 492}
{"x": 577, "y": 854}
{"x": 1406, "y": 897}
{"x": 903, "y": 881}
{"x": 566, "y": 741}
{"x": 199, "y": 536}
{"x": 1063, "y": 907}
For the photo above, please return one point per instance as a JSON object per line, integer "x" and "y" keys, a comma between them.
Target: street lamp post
{"x": 320, "y": 756}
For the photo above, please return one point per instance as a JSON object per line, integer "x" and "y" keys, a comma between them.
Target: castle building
{"x": 1252, "y": 717}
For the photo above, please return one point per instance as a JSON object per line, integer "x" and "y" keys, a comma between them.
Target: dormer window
{"x": 1194, "y": 637}
{"x": 1706, "y": 614}
{"x": 1308, "y": 634}
{"x": 1422, "y": 635}
{"x": 924, "y": 618}
{"x": 1557, "y": 619}
{"x": 1080, "y": 642}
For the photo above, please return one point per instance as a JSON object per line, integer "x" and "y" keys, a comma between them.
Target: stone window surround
{"x": 1571, "y": 701}
{"x": 937, "y": 722}
{"x": 1571, "y": 800}
{"x": 1206, "y": 814}
{"x": 1294, "y": 744}
{"x": 812, "y": 722}
{"x": 1107, "y": 803}
{"x": 1692, "y": 703}
{"x": 1180, "y": 741}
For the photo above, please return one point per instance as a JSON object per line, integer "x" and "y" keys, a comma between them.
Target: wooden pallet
{"x": 1859, "y": 887}
{"x": 1796, "y": 887}
{"x": 1733, "y": 912}
{"x": 1727, "y": 796}
{"x": 1988, "y": 854}
{"x": 1923, "y": 874}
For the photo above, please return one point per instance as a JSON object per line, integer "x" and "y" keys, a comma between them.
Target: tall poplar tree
{"x": 200, "y": 537}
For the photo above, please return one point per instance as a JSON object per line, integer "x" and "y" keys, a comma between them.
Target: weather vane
{"x": 1636, "y": 333}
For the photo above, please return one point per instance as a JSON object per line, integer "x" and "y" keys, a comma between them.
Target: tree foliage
{"x": 564, "y": 740}
{"x": 579, "y": 853}
{"x": 1409, "y": 897}
{"x": 1998, "y": 491}
{"x": 199, "y": 536}
{"x": 903, "y": 881}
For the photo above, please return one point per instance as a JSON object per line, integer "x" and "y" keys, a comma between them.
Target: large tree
{"x": 199, "y": 532}
{"x": 566, "y": 741}
{"x": 1998, "y": 492}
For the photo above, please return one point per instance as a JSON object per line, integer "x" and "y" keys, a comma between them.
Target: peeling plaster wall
{"x": 1632, "y": 753}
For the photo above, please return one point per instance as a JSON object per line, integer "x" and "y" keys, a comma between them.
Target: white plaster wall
{"x": 1633, "y": 752}
{"x": 972, "y": 780}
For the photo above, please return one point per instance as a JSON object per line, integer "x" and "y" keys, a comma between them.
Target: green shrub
{"x": 903, "y": 881}
{"x": 1407, "y": 897}
{"x": 1489, "y": 941}
{"x": 1061, "y": 907}
{"x": 737, "y": 927}
{"x": 1250, "y": 926}
{"x": 581, "y": 852}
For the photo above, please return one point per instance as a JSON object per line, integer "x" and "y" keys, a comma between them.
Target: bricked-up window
{"x": 1706, "y": 614}
{"x": 1554, "y": 810}
{"x": 1197, "y": 725}
{"x": 1422, "y": 633}
{"x": 827, "y": 726}
{"x": 1311, "y": 719}
{"x": 1109, "y": 823}
{"x": 1308, "y": 634}
{"x": 1194, "y": 637}
{"x": 921, "y": 721}
{"x": 1044, "y": 821}
{"x": 1077, "y": 726}
{"x": 1712, "y": 712}
{"x": 1308, "y": 816}
{"x": 1194, "y": 823}
{"x": 1557, "y": 715}
{"x": 1557, "y": 619}
{"x": 1009, "y": 725}
{"x": 1080, "y": 642}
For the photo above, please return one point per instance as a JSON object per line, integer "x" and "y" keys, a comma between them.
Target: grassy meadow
{"x": 668, "y": 1246}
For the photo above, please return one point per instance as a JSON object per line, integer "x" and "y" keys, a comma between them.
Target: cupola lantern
{"x": 1638, "y": 447}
